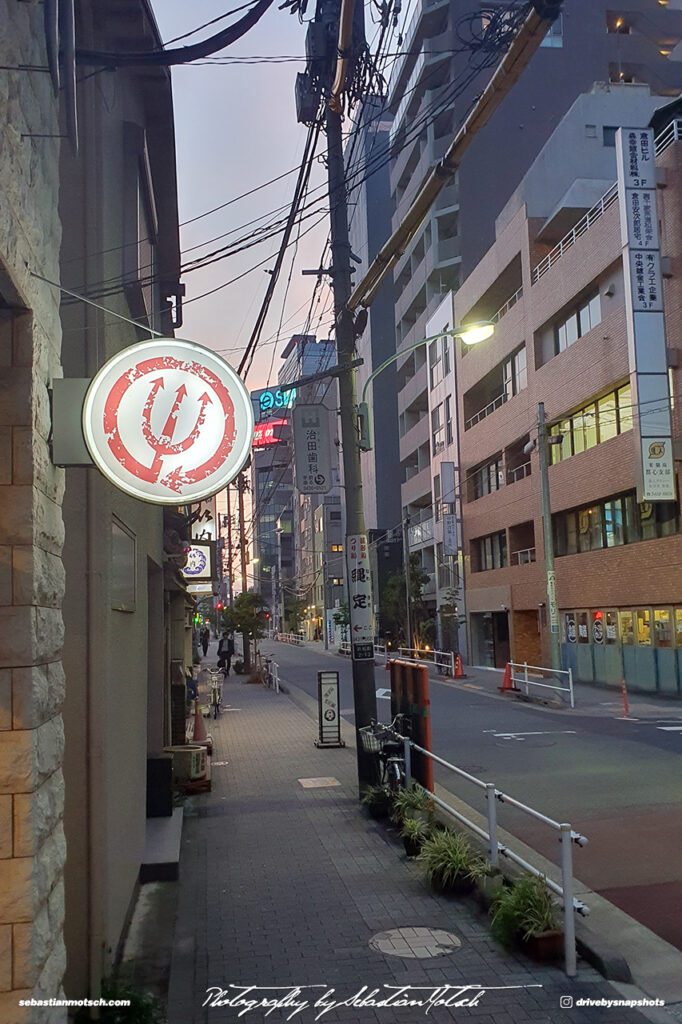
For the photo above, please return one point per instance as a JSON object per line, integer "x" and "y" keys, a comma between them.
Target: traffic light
{"x": 219, "y": 606}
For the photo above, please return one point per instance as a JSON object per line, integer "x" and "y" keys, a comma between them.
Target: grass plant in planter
{"x": 378, "y": 801}
{"x": 524, "y": 913}
{"x": 415, "y": 832}
{"x": 450, "y": 863}
{"x": 413, "y": 802}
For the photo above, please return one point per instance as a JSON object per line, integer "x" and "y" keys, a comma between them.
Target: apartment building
{"x": 591, "y": 41}
{"x": 564, "y": 337}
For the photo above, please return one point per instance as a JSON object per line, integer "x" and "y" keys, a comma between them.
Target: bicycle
{"x": 386, "y": 743}
{"x": 216, "y": 694}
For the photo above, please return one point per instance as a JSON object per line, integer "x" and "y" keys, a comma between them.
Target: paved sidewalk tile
{"x": 285, "y": 886}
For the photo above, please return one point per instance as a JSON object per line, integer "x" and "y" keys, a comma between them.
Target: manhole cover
{"x": 415, "y": 943}
{"x": 320, "y": 783}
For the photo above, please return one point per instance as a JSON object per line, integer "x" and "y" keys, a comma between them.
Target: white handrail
{"x": 553, "y": 672}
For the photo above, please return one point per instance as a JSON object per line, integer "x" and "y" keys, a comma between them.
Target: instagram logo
{"x": 566, "y": 1002}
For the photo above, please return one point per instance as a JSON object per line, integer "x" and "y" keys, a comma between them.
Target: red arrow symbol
{"x": 167, "y": 432}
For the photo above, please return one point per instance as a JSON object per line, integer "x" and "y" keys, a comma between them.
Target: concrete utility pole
{"x": 242, "y": 551}
{"x": 364, "y": 688}
{"x": 548, "y": 538}
{"x": 408, "y": 594}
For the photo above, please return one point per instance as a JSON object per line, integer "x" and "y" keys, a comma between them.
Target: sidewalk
{"x": 284, "y": 884}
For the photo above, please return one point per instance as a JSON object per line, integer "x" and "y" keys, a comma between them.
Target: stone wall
{"x": 32, "y": 847}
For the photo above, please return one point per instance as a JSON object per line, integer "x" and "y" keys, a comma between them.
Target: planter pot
{"x": 486, "y": 888}
{"x": 458, "y": 886}
{"x": 412, "y": 846}
{"x": 545, "y": 947}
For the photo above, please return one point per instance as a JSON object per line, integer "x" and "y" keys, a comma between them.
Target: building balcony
{"x": 416, "y": 387}
{"x": 417, "y": 488}
{"x": 414, "y": 438}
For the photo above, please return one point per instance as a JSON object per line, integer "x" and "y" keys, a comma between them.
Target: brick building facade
{"x": 561, "y": 339}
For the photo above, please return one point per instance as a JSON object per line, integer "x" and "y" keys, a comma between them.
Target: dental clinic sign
{"x": 168, "y": 421}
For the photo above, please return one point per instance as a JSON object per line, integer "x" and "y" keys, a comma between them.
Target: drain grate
{"x": 415, "y": 943}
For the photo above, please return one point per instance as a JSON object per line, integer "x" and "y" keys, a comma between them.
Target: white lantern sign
{"x": 168, "y": 421}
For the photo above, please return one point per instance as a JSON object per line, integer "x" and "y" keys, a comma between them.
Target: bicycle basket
{"x": 372, "y": 738}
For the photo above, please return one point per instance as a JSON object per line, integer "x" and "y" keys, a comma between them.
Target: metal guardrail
{"x": 291, "y": 638}
{"x": 444, "y": 661}
{"x": 523, "y": 556}
{"x": 673, "y": 133}
{"x": 566, "y": 837}
{"x": 486, "y": 411}
{"x": 583, "y": 225}
{"x": 518, "y": 473}
{"x": 503, "y": 310}
{"x": 526, "y": 680}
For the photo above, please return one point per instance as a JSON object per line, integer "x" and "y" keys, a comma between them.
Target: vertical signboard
{"x": 312, "y": 452}
{"x": 644, "y": 312}
{"x": 449, "y": 534}
{"x": 360, "y": 597}
{"x": 328, "y": 707}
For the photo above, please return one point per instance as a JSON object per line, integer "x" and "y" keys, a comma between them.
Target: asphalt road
{"x": 615, "y": 781}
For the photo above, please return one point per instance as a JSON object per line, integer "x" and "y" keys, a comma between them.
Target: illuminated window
{"x": 643, "y": 623}
{"x": 337, "y": 547}
{"x": 663, "y": 627}
{"x": 627, "y": 633}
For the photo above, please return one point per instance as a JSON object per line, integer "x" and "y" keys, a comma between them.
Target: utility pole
{"x": 548, "y": 538}
{"x": 408, "y": 595}
{"x": 241, "y": 484}
{"x": 364, "y": 688}
{"x": 230, "y": 585}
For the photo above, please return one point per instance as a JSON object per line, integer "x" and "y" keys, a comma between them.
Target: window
{"x": 663, "y": 629}
{"x": 446, "y": 356}
{"x": 514, "y": 373}
{"x": 627, "y": 628}
{"x": 599, "y": 421}
{"x": 337, "y": 547}
{"x": 583, "y": 628}
{"x": 337, "y": 581}
{"x": 613, "y": 522}
{"x": 490, "y": 552}
{"x": 437, "y": 429}
{"x": 487, "y": 478}
{"x": 435, "y": 363}
{"x": 678, "y": 627}
{"x": 611, "y": 627}
{"x": 643, "y": 627}
{"x": 609, "y": 135}
{"x": 335, "y": 516}
{"x": 449, "y": 436}
{"x": 577, "y": 323}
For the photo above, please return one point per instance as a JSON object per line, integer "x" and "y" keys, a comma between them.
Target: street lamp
{"x": 471, "y": 334}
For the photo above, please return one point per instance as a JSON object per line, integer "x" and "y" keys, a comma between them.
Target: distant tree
{"x": 392, "y": 607}
{"x": 342, "y": 618}
{"x": 293, "y": 612}
{"x": 247, "y": 616}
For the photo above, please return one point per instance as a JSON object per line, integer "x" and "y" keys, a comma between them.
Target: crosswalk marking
{"x": 670, "y": 728}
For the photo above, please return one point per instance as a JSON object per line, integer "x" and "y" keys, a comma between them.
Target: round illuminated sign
{"x": 168, "y": 421}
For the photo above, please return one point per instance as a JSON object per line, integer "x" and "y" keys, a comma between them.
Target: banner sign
{"x": 360, "y": 597}
{"x": 449, "y": 534}
{"x": 328, "y": 707}
{"x": 168, "y": 421}
{"x": 312, "y": 452}
{"x": 644, "y": 312}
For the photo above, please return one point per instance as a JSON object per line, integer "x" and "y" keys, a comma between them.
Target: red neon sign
{"x": 265, "y": 434}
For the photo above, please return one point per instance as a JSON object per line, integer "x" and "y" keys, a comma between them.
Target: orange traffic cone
{"x": 200, "y": 734}
{"x": 507, "y": 684}
{"x": 459, "y": 672}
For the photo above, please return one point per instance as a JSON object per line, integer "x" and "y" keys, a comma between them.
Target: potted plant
{"x": 413, "y": 802}
{"x": 415, "y": 832}
{"x": 525, "y": 913}
{"x": 450, "y": 863}
{"x": 377, "y": 799}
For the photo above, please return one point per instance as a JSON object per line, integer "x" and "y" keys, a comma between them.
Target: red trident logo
{"x": 166, "y": 444}
{"x": 163, "y": 444}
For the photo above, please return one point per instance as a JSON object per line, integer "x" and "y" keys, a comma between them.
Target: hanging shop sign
{"x": 201, "y": 562}
{"x": 168, "y": 421}
{"x": 268, "y": 433}
{"x": 312, "y": 451}
{"x": 360, "y": 597}
{"x": 644, "y": 313}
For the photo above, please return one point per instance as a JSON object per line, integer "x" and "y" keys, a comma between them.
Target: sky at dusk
{"x": 236, "y": 129}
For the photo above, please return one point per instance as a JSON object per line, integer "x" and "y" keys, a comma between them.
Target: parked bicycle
{"x": 216, "y": 693}
{"x": 385, "y": 742}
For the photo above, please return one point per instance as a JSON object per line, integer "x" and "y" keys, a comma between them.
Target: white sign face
{"x": 168, "y": 421}
{"x": 359, "y": 590}
{"x": 658, "y": 469}
{"x": 639, "y": 169}
{"x": 449, "y": 534}
{"x": 198, "y": 566}
{"x": 645, "y": 275}
{"x": 312, "y": 452}
{"x": 642, "y": 219}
